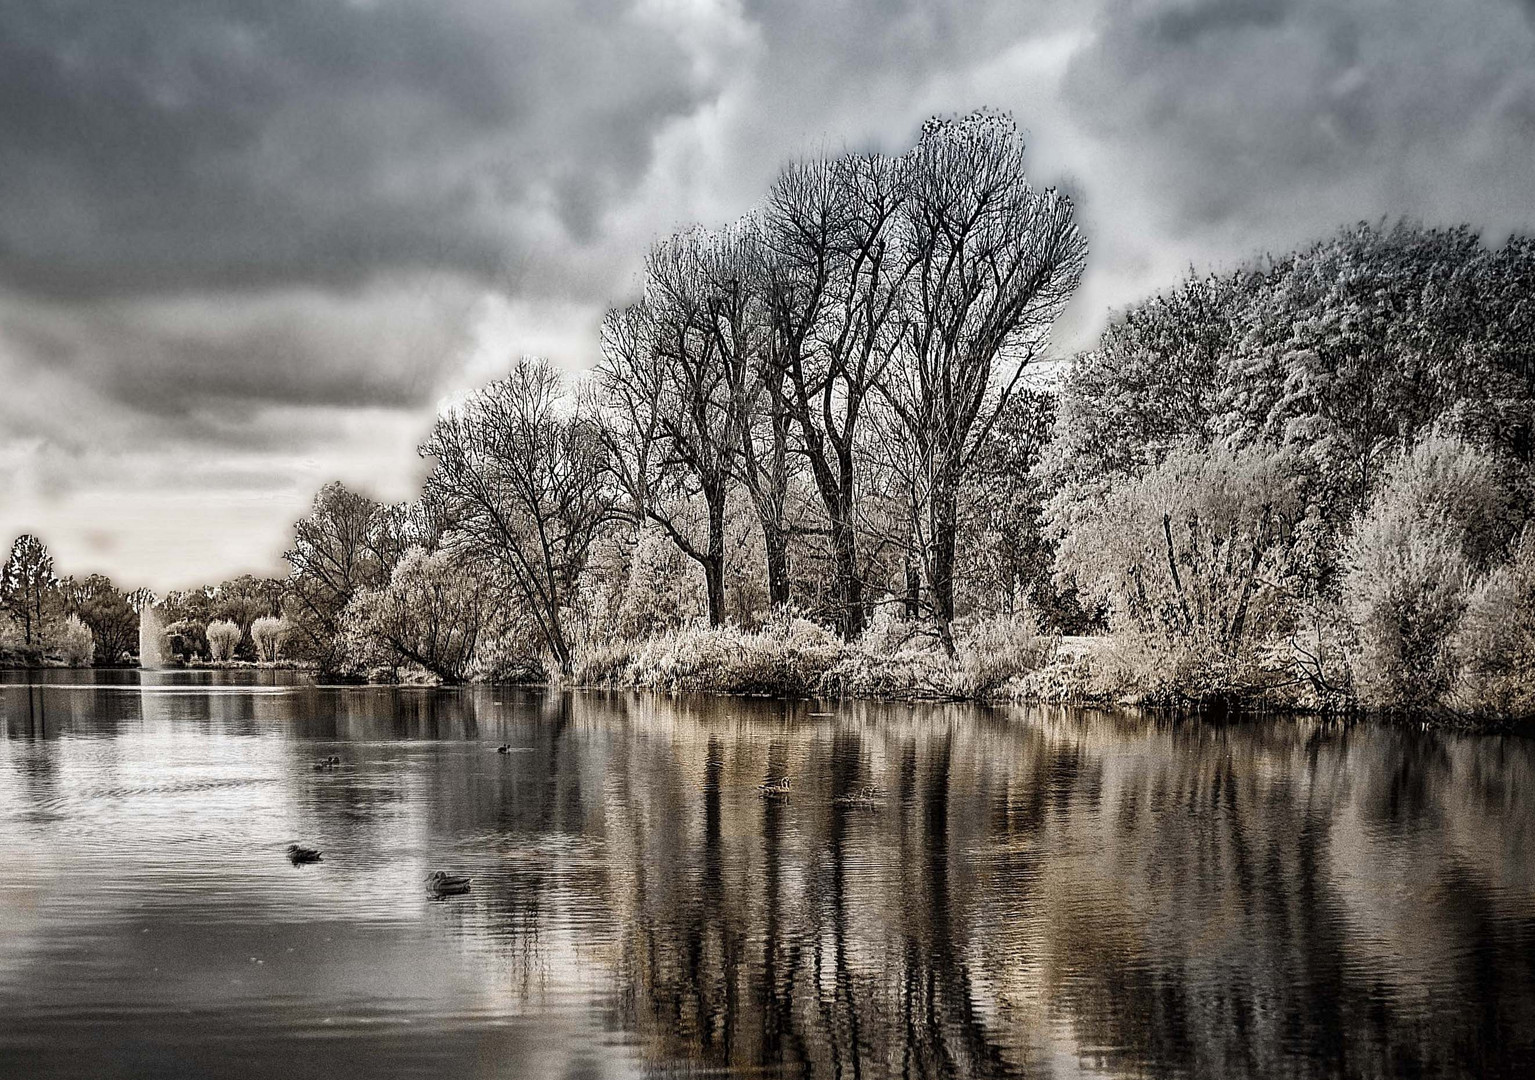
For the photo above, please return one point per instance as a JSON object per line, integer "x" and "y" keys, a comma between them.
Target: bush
{"x": 74, "y": 644}
{"x": 1437, "y": 519}
{"x": 792, "y": 657}
{"x": 223, "y": 639}
{"x": 1494, "y": 645}
{"x": 269, "y": 634}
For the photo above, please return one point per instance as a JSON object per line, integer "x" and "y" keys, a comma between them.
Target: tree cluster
{"x": 1311, "y": 477}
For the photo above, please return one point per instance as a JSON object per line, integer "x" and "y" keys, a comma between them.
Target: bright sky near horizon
{"x": 247, "y": 248}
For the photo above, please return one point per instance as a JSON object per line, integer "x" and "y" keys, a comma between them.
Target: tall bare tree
{"x": 831, "y": 281}
{"x": 992, "y": 263}
{"x": 521, "y": 485}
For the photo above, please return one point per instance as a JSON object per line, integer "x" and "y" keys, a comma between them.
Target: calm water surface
{"x": 1031, "y": 893}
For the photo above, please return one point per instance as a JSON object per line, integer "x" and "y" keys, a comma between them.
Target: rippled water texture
{"x": 1025, "y": 893}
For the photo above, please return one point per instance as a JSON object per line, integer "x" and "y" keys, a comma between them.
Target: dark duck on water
{"x": 441, "y": 883}
{"x": 298, "y": 855}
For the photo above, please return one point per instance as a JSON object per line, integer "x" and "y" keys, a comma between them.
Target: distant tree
{"x": 268, "y": 635}
{"x": 107, "y": 611}
{"x": 223, "y": 639}
{"x": 522, "y": 485}
{"x": 28, "y": 587}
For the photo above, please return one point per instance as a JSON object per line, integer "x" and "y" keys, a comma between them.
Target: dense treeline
{"x": 1312, "y": 479}
{"x": 809, "y": 459}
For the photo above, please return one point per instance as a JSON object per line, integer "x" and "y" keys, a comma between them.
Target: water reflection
{"x": 1025, "y": 893}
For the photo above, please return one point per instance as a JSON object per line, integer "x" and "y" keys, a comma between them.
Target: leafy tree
{"x": 28, "y": 587}
{"x": 107, "y": 611}
{"x": 346, "y": 543}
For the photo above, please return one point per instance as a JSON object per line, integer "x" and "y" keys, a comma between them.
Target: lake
{"x": 943, "y": 891}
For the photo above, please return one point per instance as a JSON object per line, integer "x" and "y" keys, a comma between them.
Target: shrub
{"x": 223, "y": 638}
{"x": 1197, "y": 561}
{"x": 1437, "y": 519}
{"x": 1494, "y": 645}
{"x": 269, "y": 634}
{"x": 74, "y": 643}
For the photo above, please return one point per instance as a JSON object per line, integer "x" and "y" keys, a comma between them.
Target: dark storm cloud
{"x": 1291, "y": 116}
{"x": 248, "y": 239}
{"x": 163, "y": 144}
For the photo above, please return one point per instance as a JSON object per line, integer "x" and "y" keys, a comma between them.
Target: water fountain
{"x": 151, "y": 639}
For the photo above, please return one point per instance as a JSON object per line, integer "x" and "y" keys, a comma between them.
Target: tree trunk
{"x": 848, "y": 589}
{"x": 943, "y": 519}
{"x": 714, "y": 559}
{"x": 777, "y": 545}
{"x": 913, "y": 603}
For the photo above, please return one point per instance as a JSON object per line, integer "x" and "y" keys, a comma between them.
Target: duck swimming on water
{"x": 298, "y": 854}
{"x": 442, "y": 883}
{"x": 504, "y": 748}
{"x": 332, "y": 762}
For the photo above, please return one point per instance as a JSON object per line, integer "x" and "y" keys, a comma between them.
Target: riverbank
{"x": 998, "y": 661}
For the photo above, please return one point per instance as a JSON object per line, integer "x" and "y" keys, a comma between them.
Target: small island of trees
{"x": 816, "y": 457}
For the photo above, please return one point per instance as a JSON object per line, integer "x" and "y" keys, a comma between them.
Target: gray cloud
{"x": 1283, "y": 118}
{"x": 169, "y": 144}
{"x": 245, "y": 246}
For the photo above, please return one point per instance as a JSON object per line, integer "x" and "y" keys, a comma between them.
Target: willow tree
{"x": 521, "y": 485}
{"x": 990, "y": 263}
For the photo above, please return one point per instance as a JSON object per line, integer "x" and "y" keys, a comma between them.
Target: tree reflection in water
{"x": 1023, "y": 893}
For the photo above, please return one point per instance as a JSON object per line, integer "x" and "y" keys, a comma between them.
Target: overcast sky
{"x": 247, "y": 247}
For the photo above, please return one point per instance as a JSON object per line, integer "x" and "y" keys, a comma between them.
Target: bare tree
{"x": 993, "y": 262}
{"x": 521, "y": 485}
{"x": 831, "y": 281}
{"x": 666, "y": 362}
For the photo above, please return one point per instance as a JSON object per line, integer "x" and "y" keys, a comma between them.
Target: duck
{"x": 332, "y": 762}
{"x": 442, "y": 883}
{"x": 774, "y": 789}
{"x": 298, "y": 855}
{"x": 504, "y": 748}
